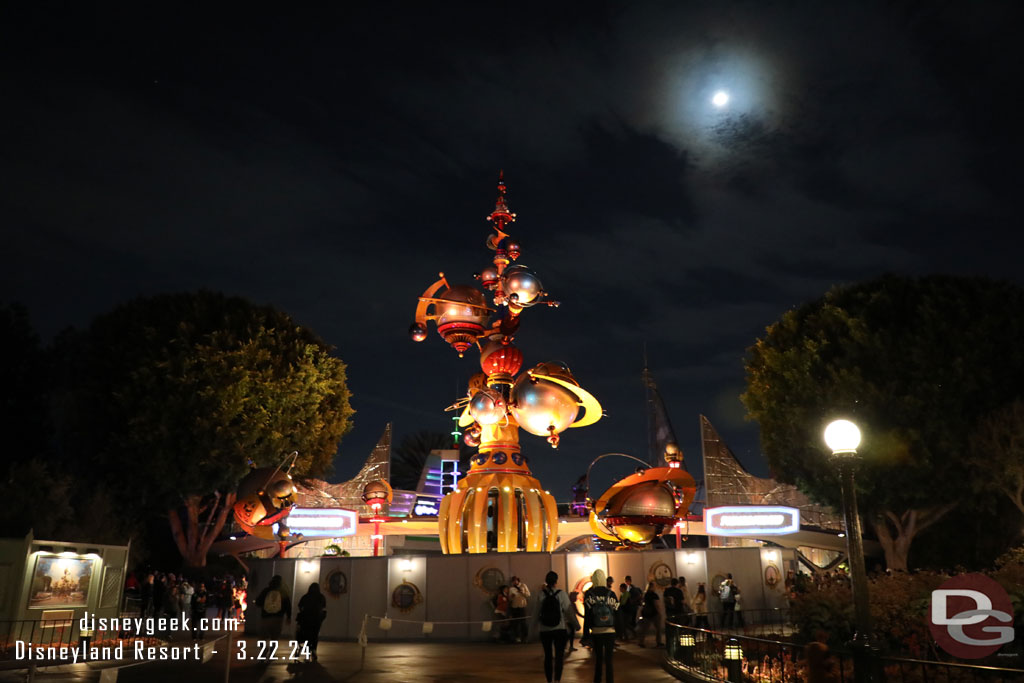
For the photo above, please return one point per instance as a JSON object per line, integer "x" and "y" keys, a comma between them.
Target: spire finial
{"x": 501, "y": 216}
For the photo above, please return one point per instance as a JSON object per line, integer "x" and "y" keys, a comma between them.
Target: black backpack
{"x": 550, "y": 609}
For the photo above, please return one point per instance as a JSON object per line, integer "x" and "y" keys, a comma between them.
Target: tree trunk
{"x": 192, "y": 537}
{"x": 896, "y": 532}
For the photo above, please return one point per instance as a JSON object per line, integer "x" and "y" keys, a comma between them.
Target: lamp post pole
{"x": 843, "y": 437}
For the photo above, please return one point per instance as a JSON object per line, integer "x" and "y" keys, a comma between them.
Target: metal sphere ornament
{"x": 462, "y": 313}
{"x": 543, "y": 407}
{"x": 487, "y": 407}
{"x": 377, "y": 493}
{"x": 489, "y": 277}
{"x": 501, "y": 359}
{"x": 522, "y": 285}
{"x": 512, "y": 249}
{"x": 472, "y": 436}
{"x": 417, "y": 332}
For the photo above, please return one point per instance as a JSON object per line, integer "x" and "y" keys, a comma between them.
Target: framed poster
{"x": 60, "y": 582}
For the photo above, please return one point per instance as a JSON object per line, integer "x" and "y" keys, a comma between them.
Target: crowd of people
{"x": 165, "y": 594}
{"x": 608, "y": 618}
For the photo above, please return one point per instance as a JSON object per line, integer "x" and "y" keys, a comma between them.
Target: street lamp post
{"x": 843, "y": 437}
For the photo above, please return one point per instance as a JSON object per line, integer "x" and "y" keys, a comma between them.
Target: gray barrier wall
{"x": 455, "y": 588}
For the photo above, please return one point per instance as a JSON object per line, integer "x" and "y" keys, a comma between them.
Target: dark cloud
{"x": 332, "y": 162}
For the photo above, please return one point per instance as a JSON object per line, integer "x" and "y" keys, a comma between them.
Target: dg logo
{"x": 971, "y": 616}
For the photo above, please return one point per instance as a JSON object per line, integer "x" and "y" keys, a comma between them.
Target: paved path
{"x": 393, "y": 662}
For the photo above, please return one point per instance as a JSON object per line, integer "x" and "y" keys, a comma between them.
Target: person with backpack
{"x": 728, "y": 598}
{"x": 518, "y": 593}
{"x": 275, "y": 607}
{"x": 650, "y": 616}
{"x": 599, "y": 605}
{"x": 553, "y": 616}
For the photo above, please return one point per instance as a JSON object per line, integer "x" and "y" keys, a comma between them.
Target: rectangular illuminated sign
{"x": 426, "y": 506}
{"x": 751, "y": 520}
{"x": 322, "y": 521}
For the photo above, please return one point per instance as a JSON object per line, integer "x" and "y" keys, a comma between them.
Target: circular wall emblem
{"x": 489, "y": 580}
{"x": 499, "y": 458}
{"x": 517, "y": 458}
{"x": 337, "y": 583}
{"x": 480, "y": 458}
{"x": 406, "y": 596}
{"x": 772, "y": 576}
{"x": 971, "y": 616}
{"x": 661, "y": 574}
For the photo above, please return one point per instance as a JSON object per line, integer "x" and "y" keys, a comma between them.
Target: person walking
{"x": 700, "y": 607}
{"x": 311, "y": 615}
{"x": 275, "y": 607}
{"x": 518, "y": 593}
{"x": 553, "y": 617}
{"x": 599, "y": 605}
{"x": 650, "y": 617}
{"x": 737, "y": 610}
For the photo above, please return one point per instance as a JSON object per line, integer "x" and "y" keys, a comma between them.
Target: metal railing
{"x": 754, "y": 622}
{"x": 730, "y": 656}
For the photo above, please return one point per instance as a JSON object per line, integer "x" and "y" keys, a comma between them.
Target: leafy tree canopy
{"x": 177, "y": 393}
{"x": 915, "y": 362}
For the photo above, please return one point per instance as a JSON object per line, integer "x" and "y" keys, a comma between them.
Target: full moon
{"x": 720, "y": 99}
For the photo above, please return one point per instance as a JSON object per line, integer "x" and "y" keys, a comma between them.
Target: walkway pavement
{"x": 393, "y": 662}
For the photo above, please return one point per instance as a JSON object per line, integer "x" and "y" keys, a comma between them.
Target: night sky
{"x": 331, "y": 164}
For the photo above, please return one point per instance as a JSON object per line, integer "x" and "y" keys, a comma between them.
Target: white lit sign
{"x": 425, "y": 507}
{"x": 751, "y": 520}
{"x": 322, "y": 521}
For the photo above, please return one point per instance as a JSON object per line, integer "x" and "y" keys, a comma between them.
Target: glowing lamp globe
{"x": 842, "y": 436}
{"x": 541, "y": 407}
{"x": 489, "y": 277}
{"x": 462, "y": 313}
{"x": 521, "y": 285}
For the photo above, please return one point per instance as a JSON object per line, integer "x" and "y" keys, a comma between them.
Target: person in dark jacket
{"x": 200, "y": 601}
{"x": 599, "y": 605}
{"x": 312, "y": 612}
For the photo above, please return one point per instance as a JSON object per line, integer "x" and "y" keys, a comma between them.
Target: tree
{"x": 174, "y": 395}
{"x": 915, "y": 362}
{"x": 997, "y": 453}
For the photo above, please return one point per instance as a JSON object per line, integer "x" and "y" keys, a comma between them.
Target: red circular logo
{"x": 971, "y": 616}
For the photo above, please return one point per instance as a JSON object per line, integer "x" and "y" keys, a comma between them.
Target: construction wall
{"x": 448, "y": 588}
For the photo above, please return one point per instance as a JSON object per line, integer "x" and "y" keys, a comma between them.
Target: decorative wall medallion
{"x": 772, "y": 576}
{"x": 716, "y": 584}
{"x": 661, "y": 574}
{"x": 480, "y": 458}
{"x": 489, "y": 580}
{"x": 406, "y": 596}
{"x": 337, "y": 583}
{"x": 499, "y": 458}
{"x": 517, "y": 458}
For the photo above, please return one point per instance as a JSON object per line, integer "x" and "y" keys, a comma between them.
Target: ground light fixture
{"x": 733, "y": 657}
{"x": 686, "y": 644}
